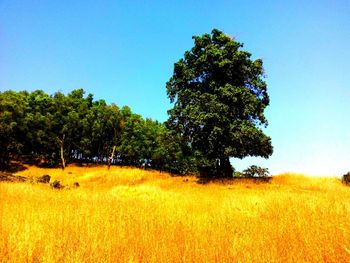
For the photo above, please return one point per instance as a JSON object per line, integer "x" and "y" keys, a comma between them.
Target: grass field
{"x": 131, "y": 215}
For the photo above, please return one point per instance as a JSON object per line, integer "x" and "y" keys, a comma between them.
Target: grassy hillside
{"x": 131, "y": 215}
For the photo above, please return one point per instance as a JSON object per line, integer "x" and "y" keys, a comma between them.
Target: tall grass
{"x": 131, "y": 215}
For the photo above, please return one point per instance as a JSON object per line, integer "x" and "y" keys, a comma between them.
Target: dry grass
{"x": 130, "y": 215}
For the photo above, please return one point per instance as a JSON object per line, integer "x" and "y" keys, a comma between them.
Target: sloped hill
{"x": 132, "y": 215}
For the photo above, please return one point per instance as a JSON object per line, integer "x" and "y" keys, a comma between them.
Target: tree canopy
{"x": 58, "y": 129}
{"x": 219, "y": 96}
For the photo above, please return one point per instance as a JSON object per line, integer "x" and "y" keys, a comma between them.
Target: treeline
{"x": 57, "y": 129}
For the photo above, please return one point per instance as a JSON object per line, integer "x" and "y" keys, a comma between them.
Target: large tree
{"x": 219, "y": 97}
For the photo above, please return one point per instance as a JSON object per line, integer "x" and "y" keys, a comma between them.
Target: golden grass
{"x": 131, "y": 215}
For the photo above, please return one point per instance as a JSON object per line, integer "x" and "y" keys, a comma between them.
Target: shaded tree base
{"x": 12, "y": 167}
{"x": 221, "y": 169}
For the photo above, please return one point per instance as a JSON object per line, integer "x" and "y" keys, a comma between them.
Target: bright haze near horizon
{"x": 124, "y": 52}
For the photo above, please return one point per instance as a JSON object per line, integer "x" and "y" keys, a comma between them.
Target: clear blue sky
{"x": 123, "y": 52}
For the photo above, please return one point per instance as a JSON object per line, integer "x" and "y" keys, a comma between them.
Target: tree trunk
{"x": 110, "y": 159}
{"x": 225, "y": 168}
{"x": 62, "y": 153}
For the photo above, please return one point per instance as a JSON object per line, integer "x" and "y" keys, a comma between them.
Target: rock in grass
{"x": 76, "y": 185}
{"x": 56, "y": 185}
{"x": 45, "y": 179}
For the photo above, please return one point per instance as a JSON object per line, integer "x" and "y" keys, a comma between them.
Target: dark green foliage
{"x": 170, "y": 154}
{"x": 134, "y": 148}
{"x": 256, "y": 171}
{"x": 38, "y": 125}
{"x": 42, "y": 129}
{"x": 13, "y": 108}
{"x": 346, "y": 178}
{"x": 219, "y": 98}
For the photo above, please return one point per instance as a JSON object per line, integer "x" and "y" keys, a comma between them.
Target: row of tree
{"x": 219, "y": 96}
{"x": 58, "y": 129}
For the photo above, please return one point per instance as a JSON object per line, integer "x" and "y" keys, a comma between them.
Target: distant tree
{"x": 133, "y": 145}
{"x": 55, "y": 126}
{"x": 36, "y": 125}
{"x": 219, "y": 97}
{"x": 256, "y": 171}
{"x": 107, "y": 129}
{"x": 13, "y": 107}
{"x": 61, "y": 121}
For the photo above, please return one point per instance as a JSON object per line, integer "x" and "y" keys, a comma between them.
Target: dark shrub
{"x": 256, "y": 171}
{"x": 346, "y": 178}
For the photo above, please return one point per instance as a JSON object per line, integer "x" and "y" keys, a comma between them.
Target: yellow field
{"x": 131, "y": 215}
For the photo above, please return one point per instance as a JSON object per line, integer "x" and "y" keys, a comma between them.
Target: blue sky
{"x": 124, "y": 51}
